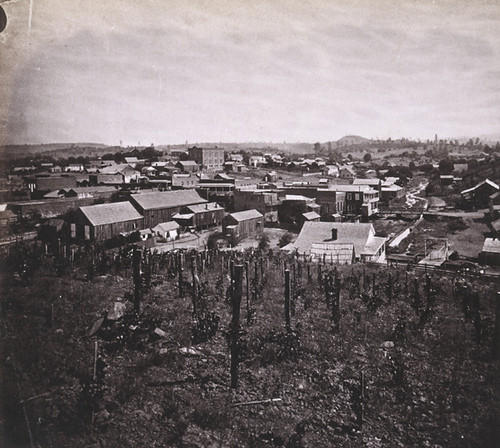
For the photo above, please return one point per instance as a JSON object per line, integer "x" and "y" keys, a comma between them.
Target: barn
{"x": 104, "y": 221}
{"x": 161, "y": 206}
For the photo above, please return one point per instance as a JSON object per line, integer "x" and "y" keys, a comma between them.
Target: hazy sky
{"x": 161, "y": 71}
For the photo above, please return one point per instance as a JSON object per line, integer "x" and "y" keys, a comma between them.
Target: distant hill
{"x": 56, "y": 150}
{"x": 350, "y": 140}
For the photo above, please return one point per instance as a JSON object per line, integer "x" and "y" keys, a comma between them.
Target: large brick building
{"x": 211, "y": 159}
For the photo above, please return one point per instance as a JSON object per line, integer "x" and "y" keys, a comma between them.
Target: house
{"x": 187, "y": 166}
{"x": 330, "y": 170}
{"x": 7, "y": 216}
{"x": 293, "y": 206}
{"x": 128, "y": 173}
{"x": 359, "y": 199}
{"x": 211, "y": 159}
{"x": 243, "y": 224}
{"x": 375, "y": 184}
{"x": 133, "y": 161}
{"x": 104, "y": 221}
{"x": 167, "y": 230}
{"x": 256, "y": 161}
{"x": 98, "y": 192}
{"x": 184, "y": 180}
{"x": 392, "y": 192}
{"x": 159, "y": 206}
{"x": 105, "y": 179}
{"x": 236, "y": 157}
{"x": 200, "y": 216}
{"x": 318, "y": 238}
{"x": 490, "y": 254}
{"x": 74, "y": 167}
{"x": 479, "y": 195}
{"x": 347, "y": 172}
{"x": 264, "y": 201}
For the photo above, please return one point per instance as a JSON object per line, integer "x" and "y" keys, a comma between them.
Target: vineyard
{"x": 129, "y": 347}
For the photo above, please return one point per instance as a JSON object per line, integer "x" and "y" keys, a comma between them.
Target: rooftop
{"x": 247, "y": 214}
{"x": 492, "y": 245}
{"x": 102, "y": 214}
{"x": 361, "y": 235}
{"x": 167, "y": 199}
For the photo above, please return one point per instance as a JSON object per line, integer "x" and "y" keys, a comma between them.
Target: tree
{"x": 446, "y": 166}
{"x": 367, "y": 157}
{"x": 317, "y": 147}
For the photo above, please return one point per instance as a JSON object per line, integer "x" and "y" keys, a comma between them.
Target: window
{"x": 357, "y": 196}
{"x": 349, "y": 196}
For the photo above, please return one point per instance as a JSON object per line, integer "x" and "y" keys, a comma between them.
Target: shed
{"x": 490, "y": 254}
{"x": 168, "y": 230}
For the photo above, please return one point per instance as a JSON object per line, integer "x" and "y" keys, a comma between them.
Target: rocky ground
{"x": 163, "y": 378}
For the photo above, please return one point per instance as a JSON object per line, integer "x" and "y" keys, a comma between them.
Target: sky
{"x": 167, "y": 71}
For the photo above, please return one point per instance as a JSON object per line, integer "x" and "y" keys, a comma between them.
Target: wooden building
{"x": 243, "y": 224}
{"x": 159, "y": 206}
{"x": 104, "y": 221}
{"x": 200, "y": 216}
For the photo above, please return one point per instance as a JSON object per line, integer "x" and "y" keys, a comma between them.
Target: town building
{"x": 211, "y": 159}
{"x": 188, "y": 166}
{"x": 41, "y": 185}
{"x": 157, "y": 207}
{"x": 375, "y": 184}
{"x": 264, "y": 201}
{"x": 479, "y": 195}
{"x": 347, "y": 172}
{"x": 184, "y": 180}
{"x": 292, "y": 208}
{"x": 339, "y": 242}
{"x": 200, "y": 216}
{"x": 243, "y": 224}
{"x": 105, "y": 221}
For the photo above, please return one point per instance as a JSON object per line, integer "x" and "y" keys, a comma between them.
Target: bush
{"x": 264, "y": 242}
{"x": 287, "y": 238}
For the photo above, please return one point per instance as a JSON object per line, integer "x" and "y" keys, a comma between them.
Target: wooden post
{"x": 287, "y": 298}
{"x": 236, "y": 303}
{"x": 136, "y": 263}
{"x": 496, "y": 335}
{"x": 361, "y": 398}
{"x": 248, "y": 291}
{"x": 195, "y": 284}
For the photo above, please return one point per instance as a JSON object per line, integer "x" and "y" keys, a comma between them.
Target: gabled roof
{"x": 96, "y": 189}
{"x": 361, "y": 235}
{"x": 167, "y": 199}
{"x": 492, "y": 245}
{"x": 245, "y": 215}
{"x": 102, "y": 214}
{"x": 311, "y": 215}
{"x": 166, "y": 226}
{"x": 486, "y": 181}
{"x": 187, "y": 163}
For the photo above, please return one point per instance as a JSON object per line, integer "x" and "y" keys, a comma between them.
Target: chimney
{"x": 334, "y": 234}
